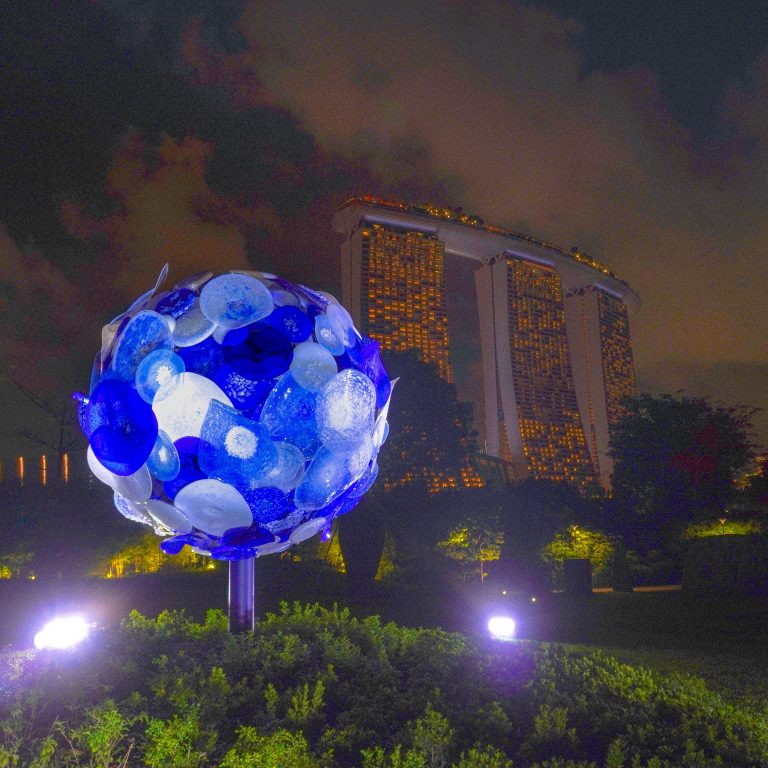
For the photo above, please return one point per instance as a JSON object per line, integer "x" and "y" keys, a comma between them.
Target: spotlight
{"x": 61, "y": 633}
{"x": 501, "y": 628}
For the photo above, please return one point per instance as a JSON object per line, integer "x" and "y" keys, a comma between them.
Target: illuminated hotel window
{"x": 616, "y": 354}
{"x": 403, "y": 293}
{"x": 403, "y": 307}
{"x": 549, "y": 420}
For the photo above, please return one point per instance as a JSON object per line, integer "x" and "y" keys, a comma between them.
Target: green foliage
{"x": 103, "y": 737}
{"x": 723, "y": 527}
{"x": 317, "y": 688}
{"x": 377, "y": 757}
{"x": 484, "y": 757}
{"x": 432, "y": 737}
{"x": 476, "y": 542}
{"x": 676, "y": 458}
{"x": 532, "y": 512}
{"x": 175, "y": 743}
{"x": 282, "y": 749}
{"x": 578, "y": 542}
{"x": 15, "y": 565}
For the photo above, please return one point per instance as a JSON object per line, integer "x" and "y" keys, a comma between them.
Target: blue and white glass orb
{"x": 237, "y": 414}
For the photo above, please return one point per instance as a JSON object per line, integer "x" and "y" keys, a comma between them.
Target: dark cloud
{"x": 224, "y": 134}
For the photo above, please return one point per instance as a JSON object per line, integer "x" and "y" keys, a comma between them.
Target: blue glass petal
{"x": 232, "y": 445}
{"x": 341, "y": 323}
{"x": 345, "y": 410}
{"x": 174, "y": 544}
{"x": 189, "y": 468}
{"x": 82, "y": 404}
{"x": 289, "y": 415}
{"x": 232, "y": 553}
{"x": 121, "y": 427}
{"x": 95, "y": 373}
{"x": 158, "y": 374}
{"x": 233, "y": 300}
{"x": 310, "y": 298}
{"x": 204, "y": 358}
{"x": 246, "y": 537}
{"x": 292, "y": 322}
{"x": 247, "y": 393}
{"x": 145, "y": 333}
{"x": 366, "y": 357}
{"x": 363, "y": 485}
{"x": 176, "y": 303}
{"x": 329, "y": 475}
{"x": 265, "y": 354}
{"x": 268, "y": 504}
{"x": 164, "y": 462}
{"x": 313, "y": 366}
{"x": 325, "y": 335}
{"x": 192, "y": 327}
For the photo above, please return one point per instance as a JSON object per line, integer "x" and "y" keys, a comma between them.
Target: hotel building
{"x": 554, "y": 329}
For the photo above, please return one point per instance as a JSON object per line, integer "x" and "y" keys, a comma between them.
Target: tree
{"x": 531, "y": 512}
{"x": 578, "y": 542}
{"x": 431, "y": 437}
{"x": 430, "y": 442}
{"x": 675, "y": 460}
{"x": 477, "y": 542}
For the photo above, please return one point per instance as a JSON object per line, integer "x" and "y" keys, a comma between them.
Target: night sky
{"x": 220, "y": 135}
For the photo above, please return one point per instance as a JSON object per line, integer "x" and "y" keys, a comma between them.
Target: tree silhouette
{"x": 675, "y": 460}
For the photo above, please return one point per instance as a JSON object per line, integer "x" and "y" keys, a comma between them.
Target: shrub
{"x": 316, "y": 688}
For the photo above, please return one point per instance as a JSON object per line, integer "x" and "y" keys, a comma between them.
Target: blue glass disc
{"x": 164, "y": 462}
{"x": 266, "y": 353}
{"x": 248, "y": 537}
{"x": 233, "y": 300}
{"x": 267, "y": 504}
{"x": 204, "y": 358}
{"x": 292, "y": 322}
{"x": 189, "y": 468}
{"x": 233, "y": 446}
{"x": 247, "y": 393}
{"x": 176, "y": 303}
{"x": 366, "y": 357}
{"x": 145, "y": 333}
{"x": 121, "y": 427}
{"x": 326, "y": 336}
{"x": 158, "y": 375}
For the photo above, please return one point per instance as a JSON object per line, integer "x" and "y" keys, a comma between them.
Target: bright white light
{"x": 501, "y": 627}
{"x": 61, "y": 633}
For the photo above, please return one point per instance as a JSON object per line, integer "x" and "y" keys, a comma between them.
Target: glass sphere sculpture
{"x": 237, "y": 414}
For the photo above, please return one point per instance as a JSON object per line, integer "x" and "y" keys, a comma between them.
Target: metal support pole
{"x": 241, "y": 595}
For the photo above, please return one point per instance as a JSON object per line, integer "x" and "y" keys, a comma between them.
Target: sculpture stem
{"x": 241, "y": 595}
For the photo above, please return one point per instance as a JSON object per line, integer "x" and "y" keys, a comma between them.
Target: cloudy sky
{"x": 216, "y": 134}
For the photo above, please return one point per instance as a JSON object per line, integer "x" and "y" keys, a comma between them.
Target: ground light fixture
{"x": 62, "y": 633}
{"x": 502, "y": 628}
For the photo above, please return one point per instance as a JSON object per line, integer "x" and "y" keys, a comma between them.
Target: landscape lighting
{"x": 502, "y": 628}
{"x": 62, "y": 633}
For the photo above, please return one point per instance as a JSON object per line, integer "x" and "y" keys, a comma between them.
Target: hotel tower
{"x": 554, "y": 328}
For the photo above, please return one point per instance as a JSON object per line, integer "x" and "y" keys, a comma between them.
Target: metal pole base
{"x": 241, "y": 595}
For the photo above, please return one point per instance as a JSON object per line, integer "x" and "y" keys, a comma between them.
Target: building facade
{"x": 554, "y": 328}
